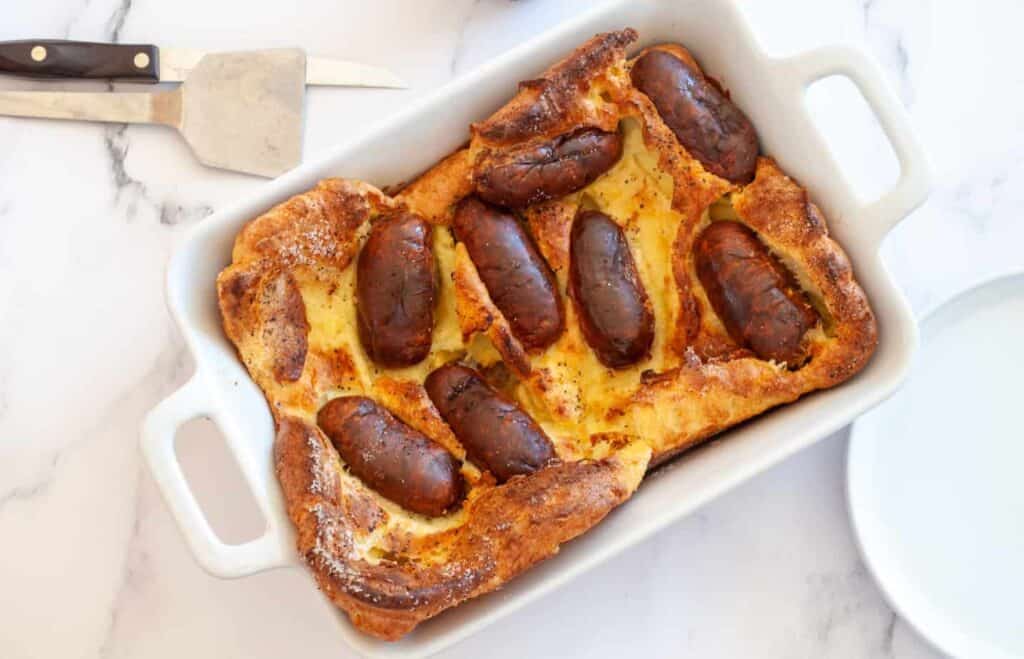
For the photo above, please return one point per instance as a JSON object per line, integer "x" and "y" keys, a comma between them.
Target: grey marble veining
{"x": 885, "y": 32}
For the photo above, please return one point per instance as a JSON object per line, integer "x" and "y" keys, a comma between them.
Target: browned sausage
{"x": 615, "y": 313}
{"x": 534, "y": 172}
{"x": 705, "y": 121}
{"x": 754, "y": 295}
{"x": 395, "y": 291}
{"x": 399, "y": 462}
{"x": 498, "y": 435}
{"x": 517, "y": 277}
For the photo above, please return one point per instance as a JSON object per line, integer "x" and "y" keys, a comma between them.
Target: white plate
{"x": 770, "y": 90}
{"x": 936, "y": 478}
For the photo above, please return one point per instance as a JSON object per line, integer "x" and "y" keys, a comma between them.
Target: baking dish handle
{"x": 220, "y": 559}
{"x": 911, "y": 189}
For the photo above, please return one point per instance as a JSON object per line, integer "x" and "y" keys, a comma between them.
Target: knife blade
{"x": 55, "y": 58}
{"x": 176, "y": 63}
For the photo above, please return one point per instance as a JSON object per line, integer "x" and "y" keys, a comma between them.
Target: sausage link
{"x": 399, "y": 462}
{"x": 754, "y": 295}
{"x": 704, "y": 120}
{"x": 395, "y": 291}
{"x": 615, "y": 312}
{"x": 535, "y": 172}
{"x": 517, "y": 277}
{"x": 498, "y": 435}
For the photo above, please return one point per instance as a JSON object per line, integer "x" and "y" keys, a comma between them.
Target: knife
{"x": 54, "y": 58}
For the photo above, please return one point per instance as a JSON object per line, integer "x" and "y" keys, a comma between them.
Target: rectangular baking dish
{"x": 771, "y": 91}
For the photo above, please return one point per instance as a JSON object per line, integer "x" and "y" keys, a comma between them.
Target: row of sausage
{"x": 755, "y": 296}
{"x": 405, "y": 466}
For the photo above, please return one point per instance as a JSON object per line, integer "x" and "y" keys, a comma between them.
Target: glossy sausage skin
{"x": 754, "y": 295}
{"x": 395, "y": 291}
{"x": 704, "y": 120}
{"x": 517, "y": 277}
{"x": 615, "y": 312}
{"x": 394, "y": 459}
{"x": 536, "y": 172}
{"x": 498, "y": 435}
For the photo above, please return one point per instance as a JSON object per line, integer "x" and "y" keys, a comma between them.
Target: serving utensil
{"x": 240, "y": 111}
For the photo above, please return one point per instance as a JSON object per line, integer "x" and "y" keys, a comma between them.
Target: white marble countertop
{"x": 91, "y": 564}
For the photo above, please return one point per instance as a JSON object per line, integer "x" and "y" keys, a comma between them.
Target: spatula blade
{"x": 244, "y": 110}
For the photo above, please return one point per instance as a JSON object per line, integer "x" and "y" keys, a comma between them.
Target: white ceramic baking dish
{"x": 770, "y": 90}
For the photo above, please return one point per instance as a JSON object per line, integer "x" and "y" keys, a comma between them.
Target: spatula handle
{"x": 135, "y": 108}
{"x": 53, "y": 58}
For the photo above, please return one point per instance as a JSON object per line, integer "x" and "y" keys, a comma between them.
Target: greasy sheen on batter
{"x": 289, "y": 306}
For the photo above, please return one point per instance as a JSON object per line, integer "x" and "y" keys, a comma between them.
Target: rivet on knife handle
{"x": 54, "y": 58}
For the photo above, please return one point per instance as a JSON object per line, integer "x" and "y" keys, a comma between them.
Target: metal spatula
{"x": 239, "y": 111}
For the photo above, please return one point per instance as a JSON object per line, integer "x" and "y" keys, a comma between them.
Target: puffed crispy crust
{"x": 287, "y": 303}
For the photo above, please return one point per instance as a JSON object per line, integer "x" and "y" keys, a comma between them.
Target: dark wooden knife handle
{"x": 53, "y": 58}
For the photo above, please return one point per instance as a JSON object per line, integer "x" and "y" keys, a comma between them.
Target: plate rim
{"x": 894, "y": 589}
